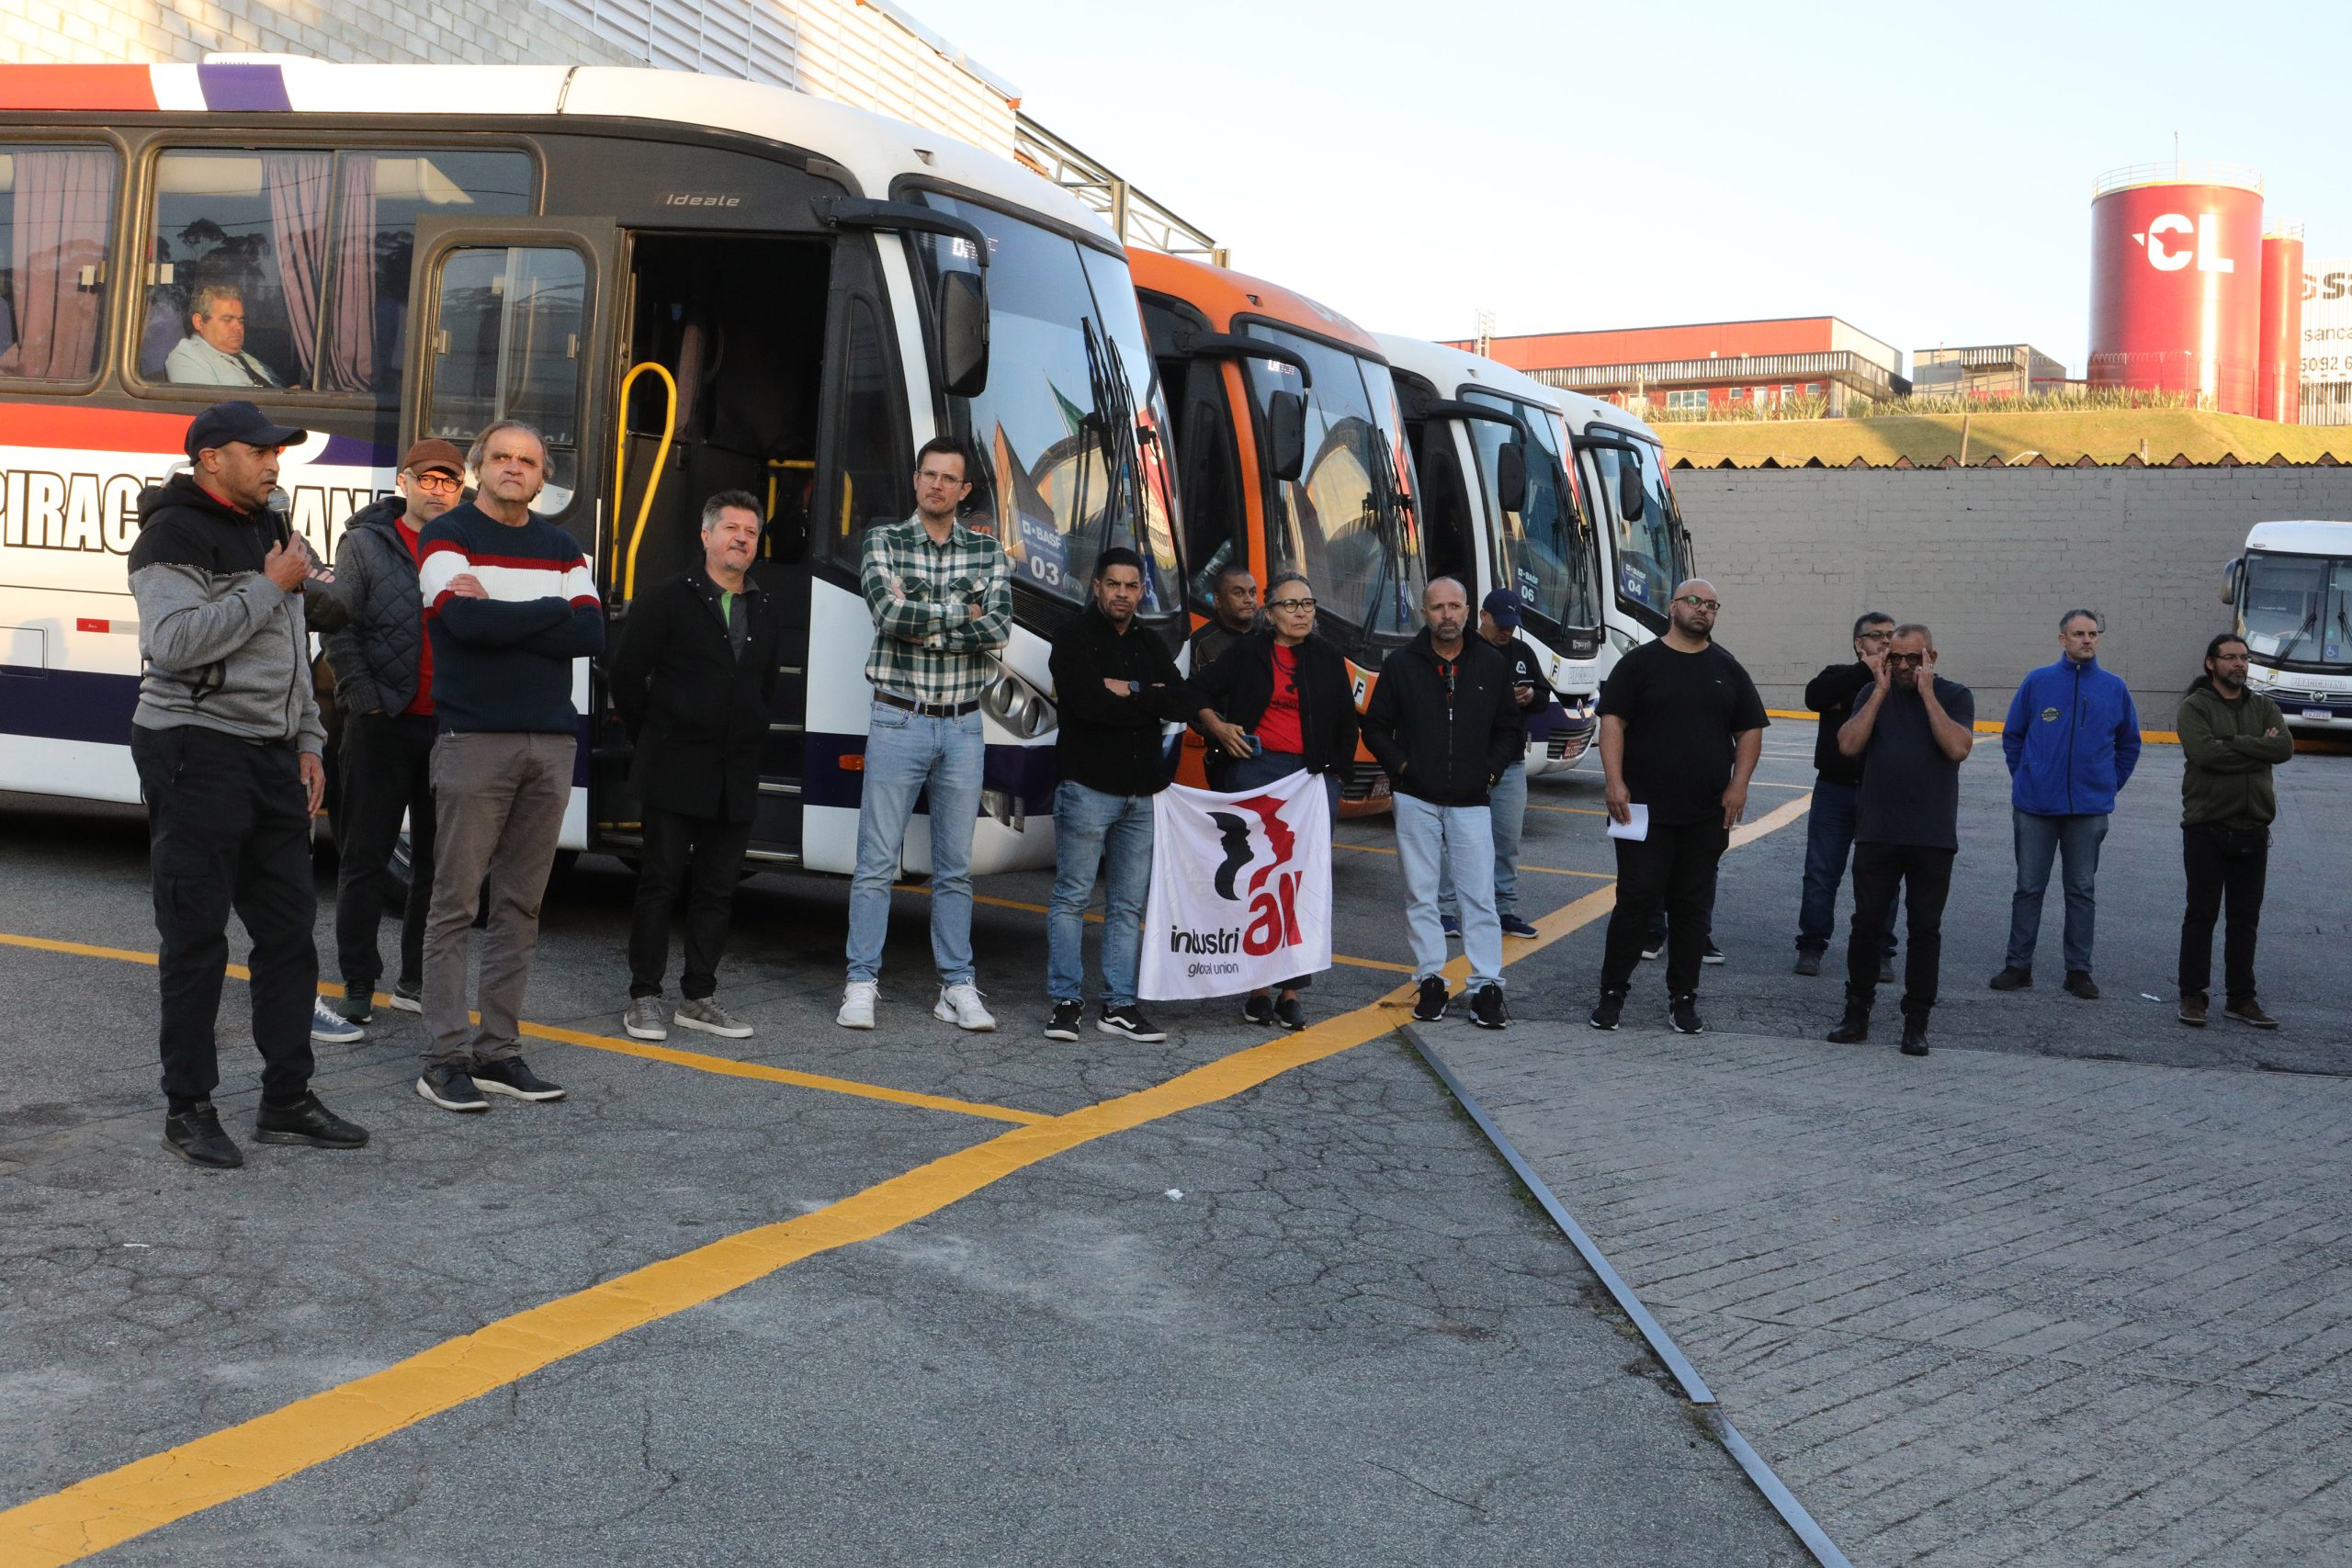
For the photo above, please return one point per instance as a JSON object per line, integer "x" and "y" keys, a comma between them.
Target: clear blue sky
{"x": 1923, "y": 171}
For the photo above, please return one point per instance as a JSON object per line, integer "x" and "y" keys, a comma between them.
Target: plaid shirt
{"x": 926, "y": 644}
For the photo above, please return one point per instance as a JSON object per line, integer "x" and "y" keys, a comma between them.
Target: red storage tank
{"x": 2177, "y": 281}
{"x": 2280, "y": 393}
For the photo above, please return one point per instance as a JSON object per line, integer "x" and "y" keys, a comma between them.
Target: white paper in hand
{"x": 1637, "y": 829}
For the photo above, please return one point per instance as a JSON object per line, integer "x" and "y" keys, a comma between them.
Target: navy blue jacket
{"x": 2072, "y": 739}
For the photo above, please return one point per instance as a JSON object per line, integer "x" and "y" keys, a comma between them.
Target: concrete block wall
{"x": 1990, "y": 558}
{"x": 142, "y": 32}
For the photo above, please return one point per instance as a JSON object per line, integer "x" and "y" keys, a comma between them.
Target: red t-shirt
{"x": 1278, "y": 725}
{"x": 420, "y": 704}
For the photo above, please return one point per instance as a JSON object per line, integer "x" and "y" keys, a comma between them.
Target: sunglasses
{"x": 1692, "y": 598}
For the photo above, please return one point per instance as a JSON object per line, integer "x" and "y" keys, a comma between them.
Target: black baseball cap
{"x": 1505, "y": 606}
{"x": 238, "y": 420}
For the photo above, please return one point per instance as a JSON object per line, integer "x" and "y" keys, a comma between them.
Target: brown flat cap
{"x": 427, "y": 456}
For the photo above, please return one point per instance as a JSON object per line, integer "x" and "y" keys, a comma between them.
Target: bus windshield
{"x": 1068, "y": 431}
{"x": 1347, "y": 521}
{"x": 1547, "y": 544}
{"x": 2298, "y": 608}
{"x": 1648, "y": 548}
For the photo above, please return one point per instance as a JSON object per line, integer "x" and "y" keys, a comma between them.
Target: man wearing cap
{"x": 226, "y": 739}
{"x": 383, "y": 674}
{"x": 1499, "y": 619}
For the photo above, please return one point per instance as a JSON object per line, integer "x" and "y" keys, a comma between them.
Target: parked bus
{"x": 1290, "y": 453}
{"x": 689, "y": 284}
{"x": 2291, "y": 590}
{"x": 1500, "y": 508}
{"x": 1645, "y": 549}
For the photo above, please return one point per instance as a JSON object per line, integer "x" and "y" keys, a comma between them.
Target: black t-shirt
{"x": 1680, "y": 712}
{"x": 1910, "y": 791}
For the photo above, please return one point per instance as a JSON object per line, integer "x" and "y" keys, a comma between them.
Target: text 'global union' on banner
{"x": 1241, "y": 889}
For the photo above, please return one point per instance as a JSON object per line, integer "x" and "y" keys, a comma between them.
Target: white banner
{"x": 1241, "y": 889}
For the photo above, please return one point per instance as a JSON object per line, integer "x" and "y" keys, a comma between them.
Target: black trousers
{"x": 2222, "y": 862}
{"x": 229, "y": 828}
{"x": 1922, "y": 878}
{"x": 1656, "y": 932}
{"x": 705, "y": 854}
{"x": 1674, "y": 867}
{"x": 387, "y": 773}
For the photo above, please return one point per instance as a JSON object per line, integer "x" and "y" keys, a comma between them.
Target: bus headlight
{"x": 1019, "y": 707}
{"x": 1621, "y": 641}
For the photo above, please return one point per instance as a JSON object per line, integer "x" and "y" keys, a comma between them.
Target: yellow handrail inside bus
{"x": 767, "y": 544}
{"x": 661, "y": 461}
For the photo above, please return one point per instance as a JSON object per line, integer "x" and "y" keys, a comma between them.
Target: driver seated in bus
{"x": 213, "y": 354}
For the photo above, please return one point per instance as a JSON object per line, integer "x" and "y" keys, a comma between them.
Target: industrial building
{"x": 1712, "y": 366}
{"x": 1985, "y": 371}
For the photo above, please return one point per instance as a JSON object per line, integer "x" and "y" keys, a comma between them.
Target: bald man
{"x": 1681, "y": 728}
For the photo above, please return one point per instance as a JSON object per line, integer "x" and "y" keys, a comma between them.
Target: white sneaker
{"x": 960, "y": 1005}
{"x": 858, "y": 1005}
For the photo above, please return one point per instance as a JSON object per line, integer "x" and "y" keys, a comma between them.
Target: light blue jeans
{"x": 1089, "y": 827}
{"x": 2041, "y": 840}
{"x": 1507, "y": 805}
{"x": 1426, "y": 835}
{"x": 905, "y": 753}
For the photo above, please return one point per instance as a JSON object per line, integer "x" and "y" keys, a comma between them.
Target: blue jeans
{"x": 1828, "y": 836}
{"x": 905, "y": 753}
{"x": 2039, "y": 839}
{"x": 1426, "y": 835}
{"x": 1089, "y": 827}
{"x": 1230, "y": 775}
{"x": 1506, "y": 808}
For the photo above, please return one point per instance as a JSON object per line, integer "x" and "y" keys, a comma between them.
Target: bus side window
{"x": 506, "y": 345}
{"x": 56, "y": 207}
{"x": 383, "y": 195}
{"x": 876, "y": 465}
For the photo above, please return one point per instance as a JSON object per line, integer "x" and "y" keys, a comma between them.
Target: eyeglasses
{"x": 1693, "y": 599}
{"x": 1884, "y": 634}
{"x": 438, "y": 483}
{"x": 1290, "y": 604}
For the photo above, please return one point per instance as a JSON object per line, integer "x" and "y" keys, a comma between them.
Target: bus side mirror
{"x": 2230, "y": 580}
{"x": 1286, "y": 434}
{"x": 1629, "y": 500}
{"x": 963, "y": 333}
{"x": 1510, "y": 476}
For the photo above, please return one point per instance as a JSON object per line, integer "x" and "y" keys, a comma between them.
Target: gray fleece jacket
{"x": 224, "y": 648}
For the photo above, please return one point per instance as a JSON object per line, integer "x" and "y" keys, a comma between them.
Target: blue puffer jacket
{"x": 2072, "y": 739}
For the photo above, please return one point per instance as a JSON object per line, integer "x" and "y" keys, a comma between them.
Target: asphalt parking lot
{"x": 912, "y": 1296}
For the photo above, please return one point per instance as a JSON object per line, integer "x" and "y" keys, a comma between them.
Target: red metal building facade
{"x": 1712, "y": 365}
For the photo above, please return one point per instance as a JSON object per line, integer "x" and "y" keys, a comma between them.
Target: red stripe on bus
{"x": 77, "y": 87}
{"x": 82, "y": 429}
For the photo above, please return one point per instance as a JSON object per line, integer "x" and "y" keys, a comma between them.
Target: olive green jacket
{"x": 2227, "y": 759}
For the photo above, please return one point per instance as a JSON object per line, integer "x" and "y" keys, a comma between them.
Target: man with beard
{"x": 1681, "y": 728}
{"x": 2230, "y": 739}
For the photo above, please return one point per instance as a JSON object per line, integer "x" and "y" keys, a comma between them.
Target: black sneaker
{"x": 1683, "y": 1011}
{"x": 308, "y": 1123}
{"x": 1854, "y": 1028}
{"x": 1258, "y": 1010}
{"x": 1063, "y": 1024}
{"x": 2080, "y": 984}
{"x": 451, "y": 1088}
{"x": 1430, "y": 1006}
{"x": 1290, "y": 1013}
{"x": 1486, "y": 1007}
{"x": 1514, "y": 925}
{"x": 1607, "y": 1010}
{"x": 1808, "y": 961}
{"x": 1130, "y": 1022}
{"x": 358, "y": 1004}
{"x": 2012, "y": 978}
{"x": 1713, "y": 955}
{"x": 1915, "y": 1035}
{"x": 408, "y": 995}
{"x": 196, "y": 1136}
{"x": 1886, "y": 970}
{"x": 509, "y": 1076}
{"x": 1652, "y": 948}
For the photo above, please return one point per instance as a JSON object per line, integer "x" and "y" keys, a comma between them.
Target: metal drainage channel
{"x": 1694, "y": 1388}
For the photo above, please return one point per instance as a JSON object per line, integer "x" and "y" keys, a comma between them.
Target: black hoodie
{"x": 1444, "y": 731}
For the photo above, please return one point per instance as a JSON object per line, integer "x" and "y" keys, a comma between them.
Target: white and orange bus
{"x": 689, "y": 284}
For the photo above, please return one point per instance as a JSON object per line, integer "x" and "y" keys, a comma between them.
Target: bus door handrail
{"x": 660, "y": 462}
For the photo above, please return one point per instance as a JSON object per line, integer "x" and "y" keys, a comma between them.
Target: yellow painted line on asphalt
{"x": 1983, "y": 726}
{"x": 1546, "y": 870}
{"x": 1573, "y": 810}
{"x": 105, "y": 1510}
{"x": 724, "y": 1066}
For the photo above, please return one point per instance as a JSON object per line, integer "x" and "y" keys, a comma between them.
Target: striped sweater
{"x": 503, "y": 664}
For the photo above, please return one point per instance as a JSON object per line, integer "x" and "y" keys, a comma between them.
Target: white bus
{"x": 2291, "y": 590}
{"x": 1646, "y": 548}
{"x": 690, "y": 284}
{"x": 1500, "y": 508}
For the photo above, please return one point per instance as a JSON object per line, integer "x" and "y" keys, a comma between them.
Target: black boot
{"x": 1856, "y": 1026}
{"x": 1915, "y": 1034}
